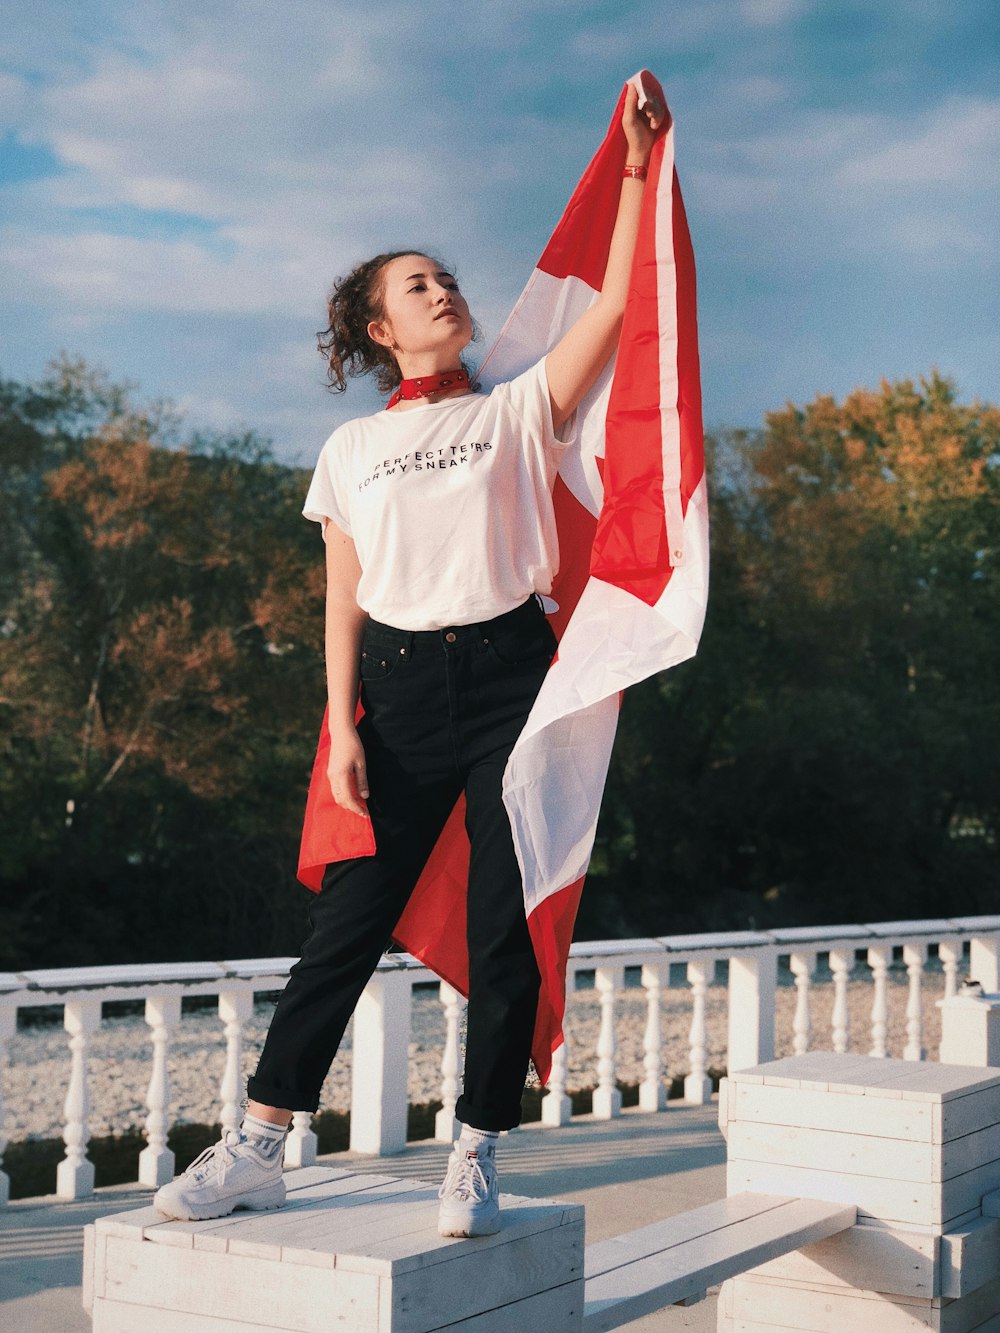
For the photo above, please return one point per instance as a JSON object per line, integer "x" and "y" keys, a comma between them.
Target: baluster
{"x": 841, "y": 962}
{"x": 156, "y": 1161}
{"x": 697, "y": 1084}
{"x": 950, "y": 953}
{"x": 75, "y": 1173}
{"x": 8, "y": 1026}
{"x": 802, "y": 965}
{"x": 607, "y": 1098}
{"x": 984, "y": 961}
{"x": 913, "y": 957}
{"x": 652, "y": 1090}
{"x": 752, "y": 996}
{"x": 557, "y": 1109}
{"x": 380, "y": 1062}
{"x": 301, "y": 1144}
{"x": 446, "y": 1127}
{"x": 235, "y": 1007}
{"x": 879, "y": 958}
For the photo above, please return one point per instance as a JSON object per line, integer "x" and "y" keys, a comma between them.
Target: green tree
{"x": 160, "y": 682}
{"x": 832, "y": 752}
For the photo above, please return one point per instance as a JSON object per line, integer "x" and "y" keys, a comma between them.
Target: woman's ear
{"x": 378, "y": 333}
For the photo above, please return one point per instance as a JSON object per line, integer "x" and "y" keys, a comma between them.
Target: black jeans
{"x": 443, "y": 709}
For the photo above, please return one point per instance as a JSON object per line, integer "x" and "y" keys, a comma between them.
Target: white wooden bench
{"x": 363, "y": 1250}
{"x": 674, "y": 1262}
{"x": 891, "y": 1178}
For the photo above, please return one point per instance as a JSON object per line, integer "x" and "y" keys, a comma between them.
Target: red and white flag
{"x": 629, "y": 599}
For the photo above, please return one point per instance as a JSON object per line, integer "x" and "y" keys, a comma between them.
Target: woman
{"x": 440, "y": 535}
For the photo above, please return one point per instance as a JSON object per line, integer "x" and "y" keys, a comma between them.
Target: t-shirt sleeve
{"x": 529, "y": 397}
{"x": 327, "y": 494}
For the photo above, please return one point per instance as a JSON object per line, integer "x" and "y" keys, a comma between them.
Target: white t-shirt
{"x": 449, "y": 504}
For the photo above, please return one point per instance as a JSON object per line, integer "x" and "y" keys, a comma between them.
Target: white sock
{"x": 481, "y": 1140}
{"x": 266, "y": 1138}
{"x": 263, "y": 1128}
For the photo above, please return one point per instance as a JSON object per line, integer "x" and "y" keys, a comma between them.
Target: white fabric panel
{"x": 685, "y": 598}
{"x": 548, "y": 307}
{"x": 555, "y": 776}
{"x": 553, "y": 791}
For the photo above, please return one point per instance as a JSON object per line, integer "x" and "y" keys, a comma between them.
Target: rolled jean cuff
{"x": 284, "y": 1099}
{"x": 488, "y": 1118}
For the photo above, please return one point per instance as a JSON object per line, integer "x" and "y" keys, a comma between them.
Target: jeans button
{"x": 450, "y": 637}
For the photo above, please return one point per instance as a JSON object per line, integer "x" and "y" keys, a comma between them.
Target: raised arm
{"x": 582, "y": 353}
{"x": 345, "y": 622}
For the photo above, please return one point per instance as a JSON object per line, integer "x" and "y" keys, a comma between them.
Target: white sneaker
{"x": 231, "y": 1174}
{"x": 470, "y": 1195}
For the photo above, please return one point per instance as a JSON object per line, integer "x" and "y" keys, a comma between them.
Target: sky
{"x": 181, "y": 183}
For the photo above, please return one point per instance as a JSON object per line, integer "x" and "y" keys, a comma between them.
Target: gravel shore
{"x": 37, "y": 1076}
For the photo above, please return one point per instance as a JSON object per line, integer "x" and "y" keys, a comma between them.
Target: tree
{"x": 160, "y": 678}
{"x": 831, "y": 754}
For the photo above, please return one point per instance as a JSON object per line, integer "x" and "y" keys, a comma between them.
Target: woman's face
{"x": 423, "y": 309}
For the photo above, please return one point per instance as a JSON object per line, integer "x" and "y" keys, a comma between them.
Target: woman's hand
{"x": 347, "y": 771}
{"x": 641, "y": 126}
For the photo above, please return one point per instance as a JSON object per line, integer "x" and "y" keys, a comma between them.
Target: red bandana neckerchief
{"x": 427, "y": 384}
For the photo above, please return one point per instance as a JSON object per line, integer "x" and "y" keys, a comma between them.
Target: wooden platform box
{"x": 751, "y": 1304}
{"x": 350, "y": 1252}
{"x": 913, "y": 1145}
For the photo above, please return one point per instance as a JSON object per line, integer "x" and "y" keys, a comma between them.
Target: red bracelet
{"x": 635, "y": 173}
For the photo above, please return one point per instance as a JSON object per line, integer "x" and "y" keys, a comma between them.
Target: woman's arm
{"x": 582, "y": 353}
{"x": 345, "y": 622}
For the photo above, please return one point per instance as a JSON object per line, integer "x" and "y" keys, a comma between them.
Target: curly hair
{"x": 353, "y": 303}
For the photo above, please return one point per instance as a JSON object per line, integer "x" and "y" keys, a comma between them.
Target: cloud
{"x": 13, "y": 97}
{"x": 109, "y": 272}
{"x": 837, "y": 182}
{"x": 759, "y": 91}
{"x": 297, "y": 147}
{"x": 945, "y": 236}
{"x": 772, "y": 13}
{"x": 956, "y": 143}
{"x": 304, "y": 143}
{"x": 220, "y": 165}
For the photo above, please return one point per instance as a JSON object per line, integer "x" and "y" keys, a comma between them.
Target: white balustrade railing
{"x": 382, "y": 1022}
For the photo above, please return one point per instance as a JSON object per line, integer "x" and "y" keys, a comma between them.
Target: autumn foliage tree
{"x": 160, "y": 683}
{"x": 833, "y": 752}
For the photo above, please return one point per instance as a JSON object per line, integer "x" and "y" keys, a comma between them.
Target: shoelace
{"x": 466, "y": 1179}
{"x": 216, "y": 1158}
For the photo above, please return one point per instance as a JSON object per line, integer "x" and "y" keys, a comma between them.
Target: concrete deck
{"x": 627, "y": 1172}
